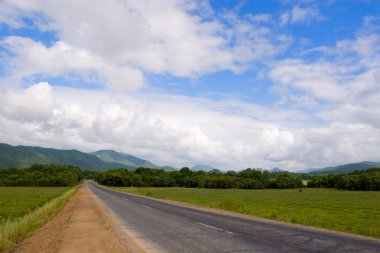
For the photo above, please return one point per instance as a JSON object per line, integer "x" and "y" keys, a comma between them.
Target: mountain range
{"x": 346, "y": 168}
{"x": 277, "y": 170}
{"x": 25, "y": 156}
{"x": 203, "y": 167}
{"x": 112, "y": 156}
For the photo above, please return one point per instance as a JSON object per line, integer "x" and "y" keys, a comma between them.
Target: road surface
{"x": 175, "y": 228}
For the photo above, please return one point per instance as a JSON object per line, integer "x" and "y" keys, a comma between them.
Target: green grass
{"x": 18, "y": 201}
{"x": 27, "y": 209}
{"x": 356, "y": 212}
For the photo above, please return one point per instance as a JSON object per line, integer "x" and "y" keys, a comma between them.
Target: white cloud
{"x": 152, "y": 36}
{"x": 333, "y": 98}
{"x": 344, "y": 84}
{"x": 261, "y": 18}
{"x": 8, "y": 15}
{"x": 348, "y": 73}
{"x": 32, "y": 104}
{"x": 30, "y": 58}
{"x": 324, "y": 80}
{"x": 196, "y": 130}
{"x": 300, "y": 15}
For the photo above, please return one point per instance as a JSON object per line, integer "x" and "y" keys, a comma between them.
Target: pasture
{"x": 24, "y": 209}
{"x": 18, "y": 201}
{"x": 356, "y": 212}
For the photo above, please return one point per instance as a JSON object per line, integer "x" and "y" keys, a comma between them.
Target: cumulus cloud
{"x": 344, "y": 85}
{"x": 348, "y": 72}
{"x": 152, "y": 36}
{"x": 153, "y": 129}
{"x": 321, "y": 79}
{"x": 32, "y": 104}
{"x": 326, "y": 113}
{"x": 30, "y": 58}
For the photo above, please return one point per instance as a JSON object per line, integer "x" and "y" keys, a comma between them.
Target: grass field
{"x": 25, "y": 209}
{"x": 349, "y": 211}
{"x": 18, "y": 201}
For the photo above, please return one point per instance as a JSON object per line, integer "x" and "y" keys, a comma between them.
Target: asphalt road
{"x": 182, "y": 229}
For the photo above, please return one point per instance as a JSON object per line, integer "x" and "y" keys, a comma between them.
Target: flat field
{"x": 18, "y": 201}
{"x": 356, "y": 212}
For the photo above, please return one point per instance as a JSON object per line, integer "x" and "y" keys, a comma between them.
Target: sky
{"x": 228, "y": 83}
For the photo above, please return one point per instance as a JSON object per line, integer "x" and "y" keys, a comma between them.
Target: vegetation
{"x": 355, "y": 212}
{"x": 368, "y": 180}
{"x": 112, "y": 156}
{"x": 246, "y": 179}
{"x": 25, "y": 156}
{"x": 14, "y": 230}
{"x": 41, "y": 175}
{"x": 18, "y": 201}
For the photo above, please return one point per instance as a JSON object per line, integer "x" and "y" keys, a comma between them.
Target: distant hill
{"x": 305, "y": 171}
{"x": 346, "y": 168}
{"x": 277, "y": 170}
{"x": 203, "y": 167}
{"x": 168, "y": 168}
{"x": 112, "y": 156}
{"x": 25, "y": 156}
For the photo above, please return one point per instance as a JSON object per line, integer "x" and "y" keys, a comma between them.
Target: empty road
{"x": 173, "y": 228}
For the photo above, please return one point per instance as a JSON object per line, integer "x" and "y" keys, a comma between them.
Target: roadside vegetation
{"x": 356, "y": 212}
{"x": 368, "y": 180}
{"x": 21, "y": 223}
{"x": 18, "y": 201}
{"x": 41, "y": 175}
{"x": 276, "y": 195}
{"x": 246, "y": 179}
{"x": 28, "y": 199}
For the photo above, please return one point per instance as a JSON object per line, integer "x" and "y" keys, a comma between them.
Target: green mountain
{"x": 346, "y": 168}
{"x": 203, "y": 167}
{"x": 277, "y": 170}
{"x": 168, "y": 168}
{"x": 112, "y": 156}
{"x": 25, "y": 156}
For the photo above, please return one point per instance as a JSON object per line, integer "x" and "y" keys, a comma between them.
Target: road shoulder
{"x": 81, "y": 226}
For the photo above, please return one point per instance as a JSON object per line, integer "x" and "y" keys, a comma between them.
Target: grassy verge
{"x": 356, "y": 212}
{"x": 13, "y": 231}
{"x": 16, "y": 202}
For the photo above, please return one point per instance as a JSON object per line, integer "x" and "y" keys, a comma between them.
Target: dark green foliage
{"x": 41, "y": 175}
{"x": 90, "y": 174}
{"x": 247, "y": 179}
{"x": 368, "y": 180}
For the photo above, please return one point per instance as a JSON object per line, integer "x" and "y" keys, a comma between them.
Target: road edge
{"x": 246, "y": 216}
{"x": 133, "y": 241}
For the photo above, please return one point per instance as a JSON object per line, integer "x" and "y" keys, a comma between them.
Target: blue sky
{"x": 233, "y": 84}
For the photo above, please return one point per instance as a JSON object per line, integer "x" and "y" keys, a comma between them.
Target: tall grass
{"x": 13, "y": 232}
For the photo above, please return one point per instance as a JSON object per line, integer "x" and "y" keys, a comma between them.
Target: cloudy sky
{"x": 232, "y": 84}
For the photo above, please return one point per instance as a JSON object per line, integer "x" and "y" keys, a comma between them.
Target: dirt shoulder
{"x": 83, "y": 225}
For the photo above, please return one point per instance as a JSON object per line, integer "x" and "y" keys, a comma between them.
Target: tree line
{"x": 42, "y": 175}
{"x": 246, "y": 179}
{"x": 66, "y": 175}
{"x": 368, "y": 180}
